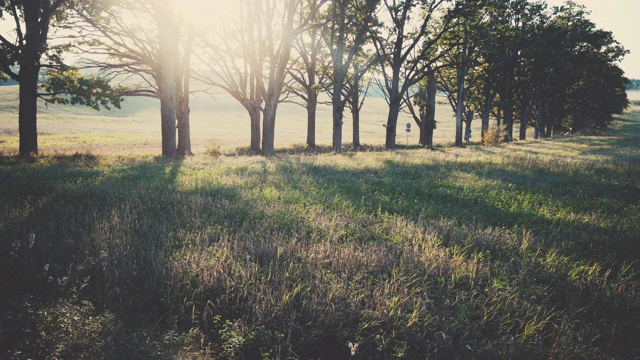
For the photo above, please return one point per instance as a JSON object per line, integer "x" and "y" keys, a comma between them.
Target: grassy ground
{"x": 525, "y": 251}
{"x": 136, "y": 127}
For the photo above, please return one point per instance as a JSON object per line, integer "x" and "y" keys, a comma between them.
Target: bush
{"x": 494, "y": 135}
{"x": 213, "y": 149}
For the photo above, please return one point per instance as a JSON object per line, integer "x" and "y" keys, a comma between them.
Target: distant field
{"x": 136, "y": 127}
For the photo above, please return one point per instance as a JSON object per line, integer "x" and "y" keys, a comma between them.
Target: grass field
{"x": 526, "y": 251}
{"x": 136, "y": 127}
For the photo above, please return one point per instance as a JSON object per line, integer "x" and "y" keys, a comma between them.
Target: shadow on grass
{"x": 74, "y": 229}
{"x": 544, "y": 201}
{"x": 110, "y": 230}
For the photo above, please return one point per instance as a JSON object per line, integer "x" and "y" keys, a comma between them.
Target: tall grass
{"x": 525, "y": 251}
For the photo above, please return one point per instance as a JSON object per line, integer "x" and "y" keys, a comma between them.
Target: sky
{"x": 618, "y": 16}
{"x": 621, "y": 18}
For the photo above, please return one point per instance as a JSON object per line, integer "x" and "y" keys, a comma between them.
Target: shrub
{"x": 213, "y": 149}
{"x": 494, "y": 135}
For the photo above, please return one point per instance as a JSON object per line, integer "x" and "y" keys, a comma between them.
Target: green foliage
{"x": 633, "y": 84}
{"x": 70, "y": 87}
{"x": 77, "y": 330}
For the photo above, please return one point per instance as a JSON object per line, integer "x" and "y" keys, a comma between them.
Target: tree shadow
{"x": 73, "y": 230}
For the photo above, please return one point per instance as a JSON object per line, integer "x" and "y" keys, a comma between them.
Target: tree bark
{"x": 183, "y": 110}
{"x": 486, "y": 112}
{"x": 460, "y": 111}
{"x": 392, "y": 123}
{"x": 431, "y": 109}
{"x": 28, "y": 109}
{"x": 524, "y": 122}
{"x": 168, "y": 118}
{"x": 355, "y": 116}
{"x": 312, "y": 106}
{"x": 338, "y": 113}
{"x": 354, "y": 104}
{"x": 538, "y": 126}
{"x": 269, "y": 126}
{"x": 395, "y": 102}
{"x": 35, "y": 40}
{"x": 183, "y": 115}
{"x": 167, "y": 84}
{"x": 508, "y": 119}
{"x": 254, "y": 115}
{"x": 184, "y": 128}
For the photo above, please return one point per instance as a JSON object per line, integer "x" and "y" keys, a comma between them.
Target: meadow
{"x": 136, "y": 127}
{"x": 107, "y": 251}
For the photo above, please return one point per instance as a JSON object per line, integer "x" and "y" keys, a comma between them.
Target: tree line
{"x": 634, "y": 84}
{"x": 519, "y": 63}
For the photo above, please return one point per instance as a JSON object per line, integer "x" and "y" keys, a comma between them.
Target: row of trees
{"x": 514, "y": 61}
{"x": 634, "y": 84}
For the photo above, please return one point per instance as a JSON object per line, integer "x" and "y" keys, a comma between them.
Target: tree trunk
{"x": 467, "y": 130}
{"x": 395, "y": 101}
{"x": 338, "y": 111}
{"x": 269, "y": 126}
{"x": 460, "y": 105}
{"x": 168, "y": 118}
{"x": 254, "y": 115}
{"x": 28, "y": 110}
{"x": 312, "y": 105}
{"x": 538, "y": 128}
{"x": 355, "y": 112}
{"x": 167, "y": 84}
{"x": 182, "y": 115}
{"x": 184, "y": 128}
{"x": 392, "y": 123}
{"x": 524, "y": 122}
{"x": 551, "y": 123}
{"x": 183, "y": 110}
{"x": 35, "y": 40}
{"x": 355, "y": 115}
{"x": 426, "y": 134}
{"x": 508, "y": 120}
{"x": 486, "y": 112}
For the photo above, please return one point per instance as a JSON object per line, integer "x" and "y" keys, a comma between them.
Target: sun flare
{"x": 210, "y": 12}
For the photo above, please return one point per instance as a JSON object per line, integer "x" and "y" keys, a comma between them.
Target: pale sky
{"x": 621, "y": 17}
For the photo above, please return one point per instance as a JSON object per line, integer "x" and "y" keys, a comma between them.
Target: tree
{"x": 234, "y": 64}
{"x": 421, "y": 104}
{"x": 183, "y": 80}
{"x": 141, "y": 40}
{"x": 355, "y": 92}
{"x": 306, "y": 70}
{"x": 633, "y": 84}
{"x": 270, "y": 28}
{"x": 279, "y": 43}
{"x": 406, "y": 46}
{"x": 578, "y": 84}
{"x": 24, "y": 56}
{"x": 464, "y": 41}
{"x": 347, "y": 27}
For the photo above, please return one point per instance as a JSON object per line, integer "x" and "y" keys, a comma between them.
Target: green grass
{"x": 524, "y": 251}
{"x": 135, "y": 129}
